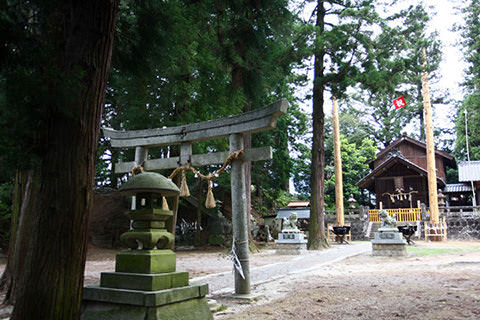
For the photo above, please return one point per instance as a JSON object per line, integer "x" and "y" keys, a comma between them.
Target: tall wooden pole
{"x": 338, "y": 165}
{"x": 432, "y": 175}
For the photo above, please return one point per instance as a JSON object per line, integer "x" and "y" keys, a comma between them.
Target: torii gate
{"x": 234, "y": 128}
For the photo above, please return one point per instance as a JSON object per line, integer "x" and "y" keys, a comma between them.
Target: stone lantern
{"x": 351, "y": 202}
{"x": 145, "y": 284}
{"x": 441, "y": 200}
{"x": 149, "y": 240}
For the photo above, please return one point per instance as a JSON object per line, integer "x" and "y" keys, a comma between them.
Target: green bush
{"x": 216, "y": 240}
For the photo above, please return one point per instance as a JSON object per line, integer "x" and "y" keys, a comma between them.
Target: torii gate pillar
{"x": 239, "y": 216}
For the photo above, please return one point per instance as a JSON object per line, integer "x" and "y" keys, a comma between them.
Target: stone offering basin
{"x": 407, "y": 232}
{"x": 341, "y": 231}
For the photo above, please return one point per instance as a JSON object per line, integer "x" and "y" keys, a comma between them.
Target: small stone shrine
{"x": 388, "y": 240}
{"x": 145, "y": 284}
{"x": 291, "y": 240}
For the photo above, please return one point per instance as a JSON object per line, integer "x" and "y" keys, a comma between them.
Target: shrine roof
{"x": 298, "y": 203}
{"x": 368, "y": 181}
{"x": 457, "y": 187}
{"x": 406, "y": 139}
{"x": 286, "y": 212}
{"x": 469, "y": 171}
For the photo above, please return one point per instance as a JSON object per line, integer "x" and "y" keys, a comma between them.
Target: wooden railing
{"x": 403, "y": 215}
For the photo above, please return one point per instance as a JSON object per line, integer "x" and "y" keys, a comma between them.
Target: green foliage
{"x": 285, "y": 139}
{"x": 357, "y": 152}
{"x": 32, "y": 89}
{"x": 470, "y": 32}
{"x": 178, "y": 62}
{"x": 355, "y": 159}
{"x": 472, "y": 105}
{"x": 271, "y": 201}
{"x": 216, "y": 240}
{"x": 394, "y": 69}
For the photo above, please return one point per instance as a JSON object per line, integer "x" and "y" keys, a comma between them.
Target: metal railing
{"x": 460, "y": 209}
{"x": 402, "y": 215}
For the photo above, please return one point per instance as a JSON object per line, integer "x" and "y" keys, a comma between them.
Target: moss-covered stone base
{"x": 146, "y": 282}
{"x": 146, "y": 261}
{"x": 187, "y": 302}
{"x": 194, "y": 309}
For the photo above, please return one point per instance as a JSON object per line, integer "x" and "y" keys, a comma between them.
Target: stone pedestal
{"x": 187, "y": 302}
{"x": 388, "y": 243}
{"x": 145, "y": 286}
{"x": 290, "y": 242}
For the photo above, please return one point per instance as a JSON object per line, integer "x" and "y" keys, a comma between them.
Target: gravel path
{"x": 223, "y": 282}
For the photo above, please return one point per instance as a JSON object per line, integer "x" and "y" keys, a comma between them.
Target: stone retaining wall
{"x": 463, "y": 226}
{"x": 460, "y": 225}
{"x": 358, "y": 222}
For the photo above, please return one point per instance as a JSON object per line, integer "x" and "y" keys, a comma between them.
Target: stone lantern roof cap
{"x": 150, "y": 182}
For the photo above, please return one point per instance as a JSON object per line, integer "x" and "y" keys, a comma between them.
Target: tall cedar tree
{"x": 164, "y": 74}
{"x": 470, "y": 32}
{"x": 395, "y": 70}
{"x": 55, "y": 62}
{"x": 252, "y": 36}
{"x": 342, "y": 44}
{"x": 232, "y": 56}
{"x": 357, "y": 151}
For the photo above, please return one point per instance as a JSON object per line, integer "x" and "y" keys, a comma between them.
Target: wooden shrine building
{"x": 399, "y": 174}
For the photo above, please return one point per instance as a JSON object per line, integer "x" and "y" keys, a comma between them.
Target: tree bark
{"x": 7, "y": 282}
{"x": 59, "y": 196}
{"x": 316, "y": 224}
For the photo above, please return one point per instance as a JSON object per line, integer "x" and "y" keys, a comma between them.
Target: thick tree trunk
{"x": 59, "y": 197}
{"x": 7, "y": 282}
{"x": 316, "y": 224}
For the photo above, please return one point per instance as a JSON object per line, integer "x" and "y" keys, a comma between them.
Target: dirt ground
{"x": 197, "y": 262}
{"x": 435, "y": 281}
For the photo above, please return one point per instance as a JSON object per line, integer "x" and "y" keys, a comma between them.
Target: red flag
{"x": 399, "y": 103}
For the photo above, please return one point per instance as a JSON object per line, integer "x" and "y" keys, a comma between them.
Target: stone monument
{"x": 388, "y": 240}
{"x": 145, "y": 284}
{"x": 291, "y": 240}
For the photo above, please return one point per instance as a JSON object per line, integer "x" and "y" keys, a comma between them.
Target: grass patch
{"x": 436, "y": 251}
{"x": 432, "y": 251}
{"x": 222, "y": 308}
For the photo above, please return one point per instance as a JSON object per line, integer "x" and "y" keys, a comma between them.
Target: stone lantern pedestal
{"x": 145, "y": 284}
{"x": 388, "y": 240}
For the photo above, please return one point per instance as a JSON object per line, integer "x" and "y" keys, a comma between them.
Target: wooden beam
{"x": 249, "y": 122}
{"x": 432, "y": 175}
{"x": 338, "y": 165}
{"x": 197, "y": 160}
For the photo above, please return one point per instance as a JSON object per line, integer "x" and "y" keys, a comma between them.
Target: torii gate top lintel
{"x": 249, "y": 122}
